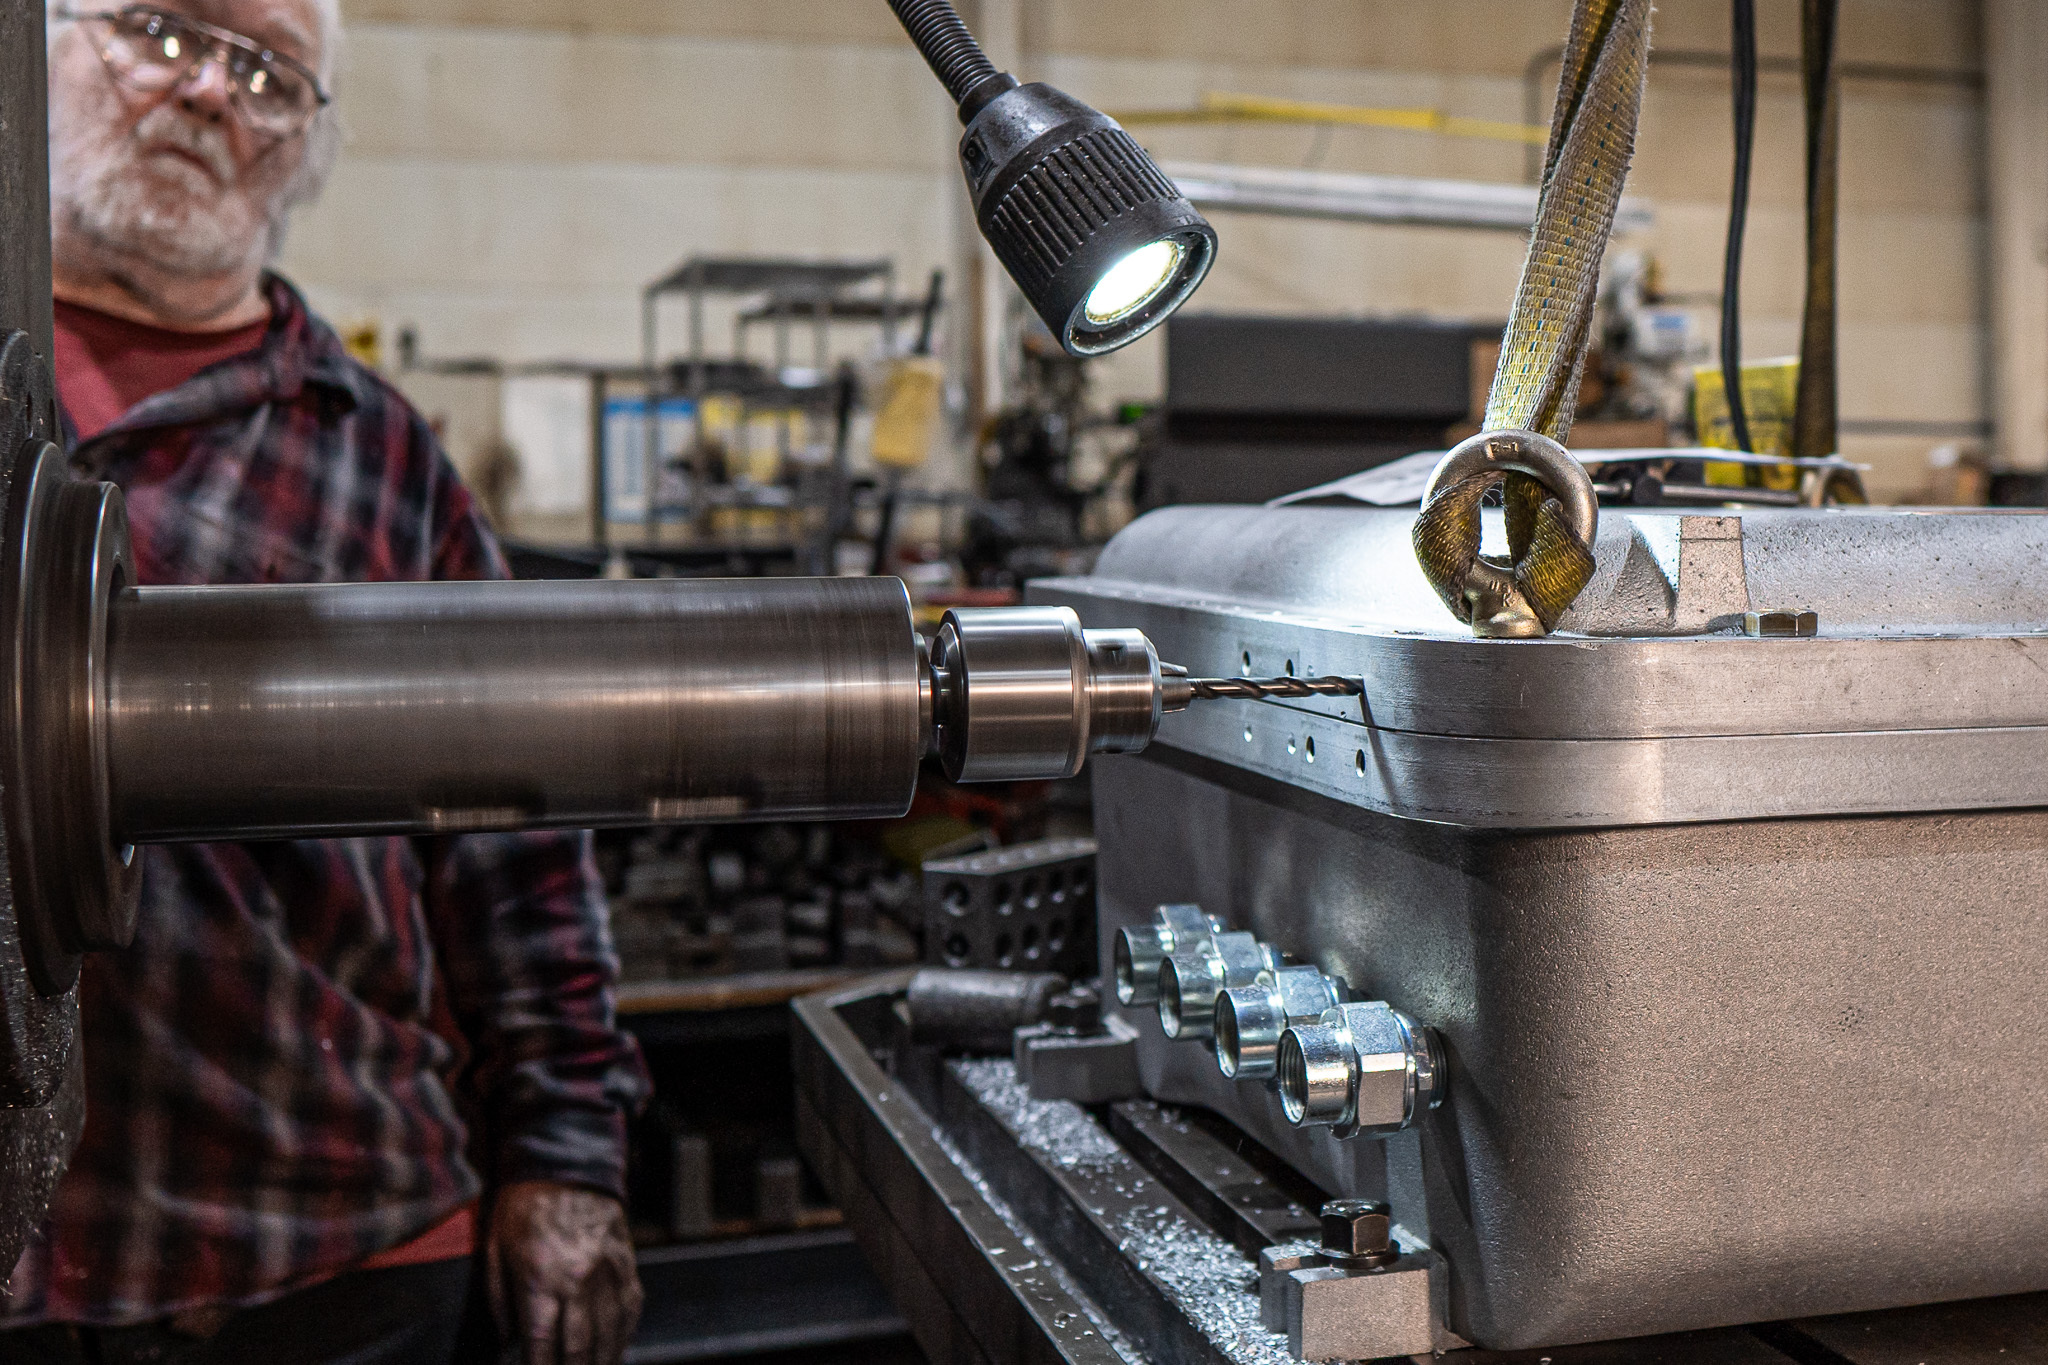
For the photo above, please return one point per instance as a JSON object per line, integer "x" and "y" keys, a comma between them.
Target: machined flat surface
{"x": 1926, "y": 689}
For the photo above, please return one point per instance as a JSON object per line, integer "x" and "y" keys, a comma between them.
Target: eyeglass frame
{"x": 220, "y": 37}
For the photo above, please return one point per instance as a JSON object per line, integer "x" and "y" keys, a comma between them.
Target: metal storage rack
{"x": 791, "y": 294}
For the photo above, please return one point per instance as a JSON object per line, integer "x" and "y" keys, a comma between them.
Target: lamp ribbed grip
{"x": 1043, "y": 219}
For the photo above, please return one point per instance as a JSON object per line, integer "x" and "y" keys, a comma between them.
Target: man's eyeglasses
{"x": 153, "y": 50}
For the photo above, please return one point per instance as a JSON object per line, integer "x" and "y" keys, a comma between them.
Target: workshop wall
{"x": 517, "y": 169}
{"x": 515, "y": 173}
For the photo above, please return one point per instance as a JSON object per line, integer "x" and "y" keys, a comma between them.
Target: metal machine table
{"x": 1013, "y": 1230}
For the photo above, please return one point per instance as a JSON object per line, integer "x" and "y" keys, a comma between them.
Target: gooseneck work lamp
{"x": 1100, "y": 241}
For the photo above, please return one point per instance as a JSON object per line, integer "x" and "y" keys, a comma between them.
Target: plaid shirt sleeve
{"x": 520, "y": 925}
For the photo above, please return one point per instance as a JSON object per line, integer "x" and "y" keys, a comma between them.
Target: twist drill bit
{"x": 1180, "y": 689}
{"x": 1258, "y": 689}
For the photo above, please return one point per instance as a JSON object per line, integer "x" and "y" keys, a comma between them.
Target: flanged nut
{"x": 1362, "y": 1068}
{"x": 1358, "y": 1234}
{"x": 1138, "y": 951}
{"x": 1193, "y": 976}
{"x": 1250, "y": 1019}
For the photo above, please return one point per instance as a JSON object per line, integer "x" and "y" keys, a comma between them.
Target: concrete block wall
{"x": 517, "y": 169}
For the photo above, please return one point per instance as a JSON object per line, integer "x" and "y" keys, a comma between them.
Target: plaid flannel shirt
{"x": 269, "y": 1100}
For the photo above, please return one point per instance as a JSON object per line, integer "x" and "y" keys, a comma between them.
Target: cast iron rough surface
{"x": 1206, "y": 1278}
{"x": 1700, "y": 1075}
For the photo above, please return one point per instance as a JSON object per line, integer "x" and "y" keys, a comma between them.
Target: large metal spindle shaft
{"x": 409, "y": 708}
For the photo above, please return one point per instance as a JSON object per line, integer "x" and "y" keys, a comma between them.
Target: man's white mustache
{"x": 166, "y": 127}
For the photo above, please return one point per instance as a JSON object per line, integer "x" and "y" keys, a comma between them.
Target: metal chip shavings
{"x": 1059, "y": 1130}
{"x": 1205, "y": 1277}
{"x": 1045, "y": 1261}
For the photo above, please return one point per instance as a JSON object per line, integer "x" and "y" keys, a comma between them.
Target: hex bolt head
{"x": 1358, "y": 1234}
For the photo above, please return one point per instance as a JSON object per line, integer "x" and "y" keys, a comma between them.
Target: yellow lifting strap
{"x": 1550, "y": 510}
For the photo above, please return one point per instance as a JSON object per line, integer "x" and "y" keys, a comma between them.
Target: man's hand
{"x": 563, "y": 1282}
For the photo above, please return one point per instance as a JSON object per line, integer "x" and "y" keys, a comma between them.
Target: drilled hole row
{"x": 1246, "y": 660}
{"x": 1028, "y": 948}
{"x": 1306, "y": 748}
{"x": 1030, "y": 894}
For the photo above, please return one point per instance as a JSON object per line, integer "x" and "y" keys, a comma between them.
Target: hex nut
{"x": 1075, "y": 1010}
{"x": 1358, "y": 1234}
{"x": 1781, "y": 625}
{"x": 1362, "y": 1068}
{"x": 1305, "y": 992}
{"x": 1383, "y": 1046}
{"x": 1138, "y": 950}
{"x": 1250, "y": 1019}
{"x": 1193, "y": 976}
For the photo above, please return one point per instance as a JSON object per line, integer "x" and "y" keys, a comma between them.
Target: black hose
{"x": 1743, "y": 60}
{"x": 955, "y": 57}
{"x": 1814, "y": 418}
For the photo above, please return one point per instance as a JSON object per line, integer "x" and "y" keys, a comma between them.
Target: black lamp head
{"x": 1100, "y": 241}
{"x": 1096, "y": 236}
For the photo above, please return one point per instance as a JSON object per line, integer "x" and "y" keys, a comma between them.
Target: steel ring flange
{"x": 76, "y": 887}
{"x": 1550, "y": 533}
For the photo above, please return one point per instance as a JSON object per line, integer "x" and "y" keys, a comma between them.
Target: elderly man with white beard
{"x": 333, "y": 1084}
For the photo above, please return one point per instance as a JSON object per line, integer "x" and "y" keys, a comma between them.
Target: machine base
{"x": 1014, "y": 1230}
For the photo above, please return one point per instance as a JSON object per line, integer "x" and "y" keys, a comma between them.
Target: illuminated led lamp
{"x": 1103, "y": 245}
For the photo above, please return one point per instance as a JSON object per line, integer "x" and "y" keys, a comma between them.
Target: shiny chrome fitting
{"x": 1138, "y": 951}
{"x": 1194, "y": 975}
{"x": 1362, "y": 1068}
{"x": 1250, "y": 1019}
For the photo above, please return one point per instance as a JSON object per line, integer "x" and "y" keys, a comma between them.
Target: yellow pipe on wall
{"x": 1220, "y": 107}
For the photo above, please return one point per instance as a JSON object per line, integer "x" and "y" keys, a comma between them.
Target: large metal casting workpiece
{"x": 1733, "y": 945}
